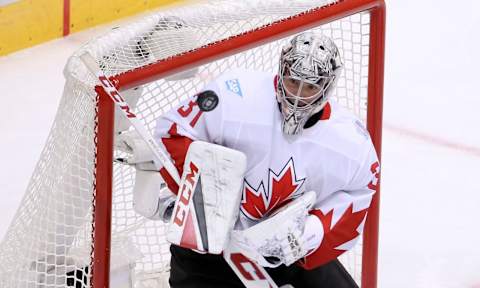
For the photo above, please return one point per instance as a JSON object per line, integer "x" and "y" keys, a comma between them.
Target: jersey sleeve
{"x": 185, "y": 123}
{"x": 343, "y": 213}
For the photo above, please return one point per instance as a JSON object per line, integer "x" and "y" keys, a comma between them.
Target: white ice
{"x": 430, "y": 202}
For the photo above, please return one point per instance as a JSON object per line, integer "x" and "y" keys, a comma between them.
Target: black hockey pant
{"x": 193, "y": 270}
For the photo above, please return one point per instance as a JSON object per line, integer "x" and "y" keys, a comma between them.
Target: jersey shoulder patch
{"x": 233, "y": 85}
{"x": 242, "y": 83}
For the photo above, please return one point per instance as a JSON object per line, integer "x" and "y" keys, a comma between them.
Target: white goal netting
{"x": 49, "y": 243}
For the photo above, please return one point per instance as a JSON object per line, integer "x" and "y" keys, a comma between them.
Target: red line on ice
{"x": 472, "y": 150}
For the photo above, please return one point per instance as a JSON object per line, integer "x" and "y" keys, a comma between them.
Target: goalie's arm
{"x": 314, "y": 236}
{"x": 342, "y": 214}
{"x": 174, "y": 133}
{"x": 185, "y": 123}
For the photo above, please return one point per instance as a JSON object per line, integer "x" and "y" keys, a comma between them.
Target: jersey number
{"x": 186, "y": 110}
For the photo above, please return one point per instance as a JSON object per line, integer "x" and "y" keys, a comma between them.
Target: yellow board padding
{"x": 26, "y": 23}
{"x": 89, "y": 13}
{"x": 29, "y": 22}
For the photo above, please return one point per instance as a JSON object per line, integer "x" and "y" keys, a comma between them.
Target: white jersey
{"x": 335, "y": 157}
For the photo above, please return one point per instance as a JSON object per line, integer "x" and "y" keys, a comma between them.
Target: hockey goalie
{"x": 274, "y": 174}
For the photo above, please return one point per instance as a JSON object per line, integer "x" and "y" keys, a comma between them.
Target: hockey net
{"x": 55, "y": 236}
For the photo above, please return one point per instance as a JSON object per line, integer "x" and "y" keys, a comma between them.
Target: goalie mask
{"x": 310, "y": 66}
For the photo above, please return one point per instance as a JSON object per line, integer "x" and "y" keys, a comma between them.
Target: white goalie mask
{"x": 310, "y": 66}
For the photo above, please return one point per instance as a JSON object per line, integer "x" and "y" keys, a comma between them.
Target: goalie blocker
{"x": 208, "y": 200}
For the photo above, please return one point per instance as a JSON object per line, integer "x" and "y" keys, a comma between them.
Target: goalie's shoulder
{"x": 344, "y": 134}
{"x": 348, "y": 125}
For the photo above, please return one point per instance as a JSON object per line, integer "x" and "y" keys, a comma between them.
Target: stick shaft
{"x": 260, "y": 278}
{"x": 160, "y": 158}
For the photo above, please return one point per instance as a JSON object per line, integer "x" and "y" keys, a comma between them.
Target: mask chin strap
{"x": 292, "y": 126}
{"x": 313, "y": 119}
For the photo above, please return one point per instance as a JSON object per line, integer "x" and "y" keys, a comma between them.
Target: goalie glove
{"x": 137, "y": 149}
{"x": 151, "y": 198}
{"x": 283, "y": 238}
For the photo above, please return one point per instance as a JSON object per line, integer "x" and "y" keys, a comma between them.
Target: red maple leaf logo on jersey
{"x": 281, "y": 187}
{"x": 338, "y": 235}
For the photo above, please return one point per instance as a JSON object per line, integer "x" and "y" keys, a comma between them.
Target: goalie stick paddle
{"x": 251, "y": 274}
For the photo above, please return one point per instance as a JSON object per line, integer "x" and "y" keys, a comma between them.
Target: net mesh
{"x": 49, "y": 242}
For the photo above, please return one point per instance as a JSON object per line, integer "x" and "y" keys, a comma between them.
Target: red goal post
{"x": 357, "y": 26}
{"x": 285, "y": 28}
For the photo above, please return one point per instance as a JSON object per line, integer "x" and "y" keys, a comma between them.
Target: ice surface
{"x": 430, "y": 203}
